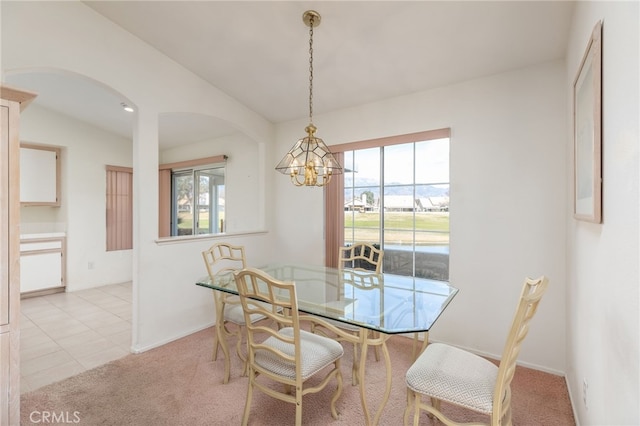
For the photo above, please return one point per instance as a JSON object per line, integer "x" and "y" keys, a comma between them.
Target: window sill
{"x": 205, "y": 237}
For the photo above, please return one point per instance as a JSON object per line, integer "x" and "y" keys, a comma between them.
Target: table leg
{"x": 221, "y": 338}
{"x": 380, "y": 340}
{"x": 415, "y": 353}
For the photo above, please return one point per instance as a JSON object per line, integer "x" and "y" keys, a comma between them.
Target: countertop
{"x": 42, "y": 235}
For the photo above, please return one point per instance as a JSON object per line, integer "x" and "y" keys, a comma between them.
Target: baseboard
{"x": 140, "y": 349}
{"x": 573, "y": 403}
{"x": 42, "y": 292}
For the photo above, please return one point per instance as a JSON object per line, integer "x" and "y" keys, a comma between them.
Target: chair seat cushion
{"x": 316, "y": 352}
{"x": 454, "y": 375}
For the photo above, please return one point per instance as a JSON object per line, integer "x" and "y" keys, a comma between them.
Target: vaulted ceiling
{"x": 258, "y": 51}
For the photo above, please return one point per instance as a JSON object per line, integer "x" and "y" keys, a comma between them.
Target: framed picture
{"x": 587, "y": 134}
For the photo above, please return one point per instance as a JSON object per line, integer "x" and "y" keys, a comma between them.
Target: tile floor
{"x": 64, "y": 334}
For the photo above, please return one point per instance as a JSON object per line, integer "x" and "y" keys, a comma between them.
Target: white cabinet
{"x": 39, "y": 175}
{"x": 42, "y": 264}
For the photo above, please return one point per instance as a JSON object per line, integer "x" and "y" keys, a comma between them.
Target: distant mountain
{"x": 422, "y": 191}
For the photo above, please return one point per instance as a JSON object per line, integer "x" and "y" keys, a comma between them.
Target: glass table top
{"x": 387, "y": 303}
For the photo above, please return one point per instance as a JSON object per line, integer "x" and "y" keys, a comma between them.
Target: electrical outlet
{"x": 585, "y": 386}
{"x": 90, "y": 265}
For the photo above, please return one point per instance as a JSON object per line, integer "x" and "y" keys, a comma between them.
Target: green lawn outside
{"x": 398, "y": 226}
{"x": 185, "y": 220}
{"x": 432, "y": 227}
{"x": 424, "y": 221}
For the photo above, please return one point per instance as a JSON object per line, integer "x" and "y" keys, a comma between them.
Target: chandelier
{"x": 309, "y": 162}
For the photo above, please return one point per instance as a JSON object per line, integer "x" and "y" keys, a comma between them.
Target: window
{"x": 119, "y": 208}
{"x": 396, "y": 196}
{"x": 192, "y": 197}
{"x": 197, "y": 201}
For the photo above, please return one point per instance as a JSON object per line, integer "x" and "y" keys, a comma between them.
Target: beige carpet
{"x": 178, "y": 384}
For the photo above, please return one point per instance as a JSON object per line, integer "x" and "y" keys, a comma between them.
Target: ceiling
{"x": 364, "y": 51}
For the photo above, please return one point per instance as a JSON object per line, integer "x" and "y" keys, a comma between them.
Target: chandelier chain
{"x": 311, "y": 70}
{"x": 309, "y": 162}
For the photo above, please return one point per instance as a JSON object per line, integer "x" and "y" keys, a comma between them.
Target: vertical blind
{"x": 119, "y": 208}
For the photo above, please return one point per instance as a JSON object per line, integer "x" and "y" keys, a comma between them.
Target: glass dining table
{"x": 386, "y": 304}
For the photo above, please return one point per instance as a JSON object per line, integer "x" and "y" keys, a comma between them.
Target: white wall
{"x": 82, "y": 214}
{"x": 508, "y": 199}
{"x": 602, "y": 276}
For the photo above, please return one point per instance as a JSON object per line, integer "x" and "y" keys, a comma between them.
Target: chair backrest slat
{"x": 532, "y": 292}
{"x": 221, "y": 258}
{"x": 360, "y": 256}
{"x": 262, "y": 294}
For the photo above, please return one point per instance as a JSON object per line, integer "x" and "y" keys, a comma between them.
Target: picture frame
{"x": 587, "y": 132}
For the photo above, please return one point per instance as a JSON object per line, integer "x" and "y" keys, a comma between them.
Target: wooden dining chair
{"x": 285, "y": 354}
{"x": 220, "y": 259}
{"x": 446, "y": 373}
{"x": 358, "y": 257}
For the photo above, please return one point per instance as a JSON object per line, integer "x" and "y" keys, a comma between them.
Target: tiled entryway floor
{"x": 64, "y": 334}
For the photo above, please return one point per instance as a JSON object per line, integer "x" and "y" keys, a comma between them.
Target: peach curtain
{"x": 334, "y": 215}
{"x": 164, "y": 200}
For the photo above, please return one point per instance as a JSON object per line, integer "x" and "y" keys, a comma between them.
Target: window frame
{"x": 195, "y": 174}
{"x": 165, "y": 185}
{"x": 334, "y": 191}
